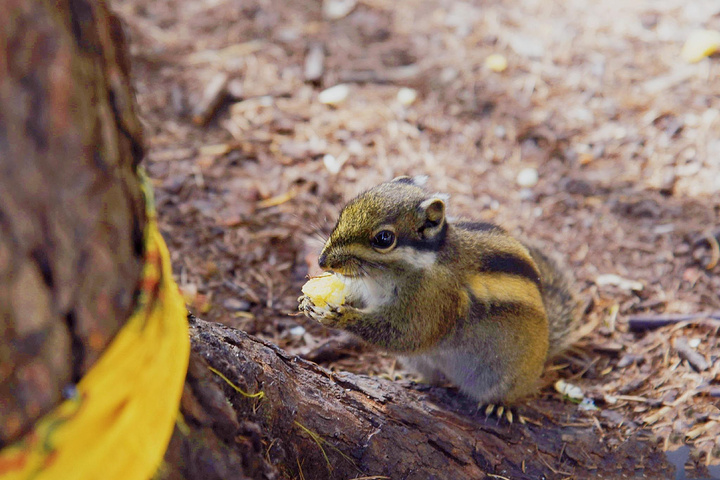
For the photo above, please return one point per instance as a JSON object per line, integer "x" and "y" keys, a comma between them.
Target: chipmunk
{"x": 462, "y": 302}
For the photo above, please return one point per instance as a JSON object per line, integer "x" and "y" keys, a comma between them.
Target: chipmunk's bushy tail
{"x": 563, "y": 305}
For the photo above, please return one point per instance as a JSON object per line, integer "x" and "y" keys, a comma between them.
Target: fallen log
{"x": 298, "y": 420}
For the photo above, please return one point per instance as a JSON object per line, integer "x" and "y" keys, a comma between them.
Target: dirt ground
{"x": 596, "y": 99}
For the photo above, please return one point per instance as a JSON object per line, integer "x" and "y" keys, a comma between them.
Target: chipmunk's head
{"x": 392, "y": 228}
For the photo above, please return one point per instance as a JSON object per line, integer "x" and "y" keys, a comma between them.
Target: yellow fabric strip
{"x": 119, "y": 423}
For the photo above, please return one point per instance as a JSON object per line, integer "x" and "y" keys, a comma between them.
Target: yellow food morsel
{"x": 496, "y": 62}
{"x": 324, "y": 290}
{"x": 700, "y": 44}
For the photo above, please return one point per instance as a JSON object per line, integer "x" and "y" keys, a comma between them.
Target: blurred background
{"x": 573, "y": 122}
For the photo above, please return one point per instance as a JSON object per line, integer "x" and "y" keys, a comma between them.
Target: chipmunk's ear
{"x": 432, "y": 217}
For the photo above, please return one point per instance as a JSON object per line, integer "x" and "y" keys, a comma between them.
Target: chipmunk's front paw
{"x": 329, "y": 315}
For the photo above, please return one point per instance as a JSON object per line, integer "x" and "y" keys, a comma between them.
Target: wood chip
{"x": 696, "y": 360}
{"x": 277, "y": 199}
{"x": 618, "y": 281}
{"x": 629, "y": 359}
{"x": 334, "y": 95}
{"x": 337, "y": 9}
{"x": 632, "y": 398}
{"x": 653, "y": 418}
{"x": 303, "y": 150}
{"x": 609, "y": 347}
{"x": 235, "y": 89}
{"x": 213, "y": 96}
{"x": 314, "y": 63}
{"x": 218, "y": 149}
{"x": 697, "y": 431}
{"x": 714, "y": 251}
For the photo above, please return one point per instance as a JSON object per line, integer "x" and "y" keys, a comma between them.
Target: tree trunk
{"x": 71, "y": 211}
{"x": 71, "y": 229}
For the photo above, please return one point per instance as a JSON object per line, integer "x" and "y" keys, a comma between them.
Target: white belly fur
{"x": 368, "y": 292}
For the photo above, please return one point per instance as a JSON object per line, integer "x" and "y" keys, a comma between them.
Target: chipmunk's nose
{"x": 322, "y": 260}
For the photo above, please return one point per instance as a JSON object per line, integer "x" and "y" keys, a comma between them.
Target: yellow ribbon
{"x": 119, "y": 422}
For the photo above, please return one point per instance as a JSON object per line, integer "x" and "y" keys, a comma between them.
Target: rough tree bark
{"x": 71, "y": 210}
{"x": 71, "y": 222}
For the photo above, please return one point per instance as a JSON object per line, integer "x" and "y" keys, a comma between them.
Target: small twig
{"x": 632, "y": 398}
{"x": 556, "y": 472}
{"x": 302, "y": 476}
{"x": 689, "y": 393}
{"x": 649, "y": 322}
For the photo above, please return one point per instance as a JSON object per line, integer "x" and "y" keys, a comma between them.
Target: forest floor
{"x": 624, "y": 136}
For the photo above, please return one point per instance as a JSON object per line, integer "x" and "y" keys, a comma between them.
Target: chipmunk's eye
{"x": 383, "y": 240}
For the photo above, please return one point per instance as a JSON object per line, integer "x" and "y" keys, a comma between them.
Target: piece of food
{"x": 496, "y": 62}
{"x": 325, "y": 289}
{"x": 700, "y": 44}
